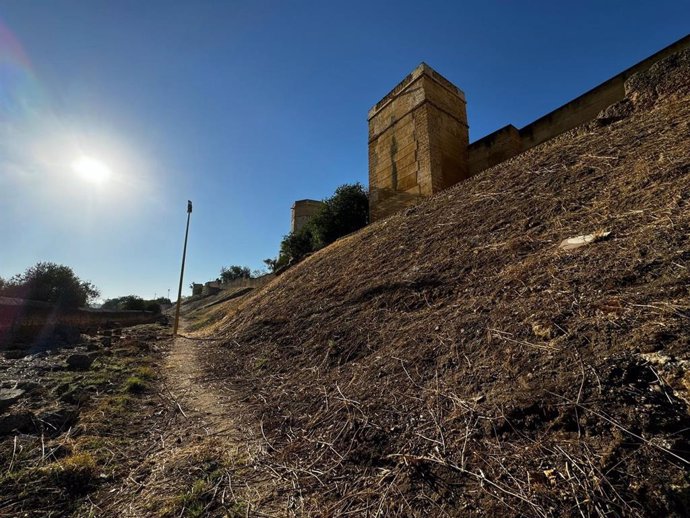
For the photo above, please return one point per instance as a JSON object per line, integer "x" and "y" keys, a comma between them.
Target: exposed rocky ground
{"x": 70, "y": 417}
{"x": 455, "y": 360}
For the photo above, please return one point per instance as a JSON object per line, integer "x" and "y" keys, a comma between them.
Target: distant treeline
{"x": 136, "y": 303}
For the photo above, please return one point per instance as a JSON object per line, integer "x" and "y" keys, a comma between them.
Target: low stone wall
{"x": 494, "y": 148}
{"x": 25, "y": 319}
{"x": 254, "y": 282}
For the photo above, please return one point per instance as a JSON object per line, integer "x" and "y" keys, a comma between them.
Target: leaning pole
{"x": 184, "y": 255}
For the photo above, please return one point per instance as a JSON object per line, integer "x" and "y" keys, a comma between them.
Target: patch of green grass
{"x": 76, "y": 473}
{"x": 135, "y": 385}
{"x": 145, "y": 372}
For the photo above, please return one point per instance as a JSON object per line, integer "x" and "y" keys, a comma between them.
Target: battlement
{"x": 418, "y": 134}
{"x": 418, "y": 140}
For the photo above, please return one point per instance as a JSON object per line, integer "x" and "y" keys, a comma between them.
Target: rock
{"x": 80, "y": 362}
{"x": 55, "y": 422}
{"x": 29, "y": 386}
{"x": 576, "y": 242}
{"x": 9, "y": 397}
{"x": 92, "y": 346}
{"x": 15, "y": 354}
{"x": 74, "y": 396}
{"x": 665, "y": 79}
{"x": 106, "y": 341}
{"x": 61, "y": 389}
{"x": 13, "y": 423}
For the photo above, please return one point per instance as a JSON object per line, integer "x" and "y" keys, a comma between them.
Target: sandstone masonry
{"x": 418, "y": 134}
{"x": 418, "y": 139}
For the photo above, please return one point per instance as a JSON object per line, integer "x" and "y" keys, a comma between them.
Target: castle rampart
{"x": 418, "y": 134}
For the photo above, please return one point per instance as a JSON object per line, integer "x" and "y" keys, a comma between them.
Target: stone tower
{"x": 302, "y": 212}
{"x": 418, "y": 138}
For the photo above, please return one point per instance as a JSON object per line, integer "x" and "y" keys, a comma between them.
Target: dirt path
{"x": 204, "y": 460}
{"x": 198, "y": 399}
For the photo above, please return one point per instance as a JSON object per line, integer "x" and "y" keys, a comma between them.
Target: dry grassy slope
{"x": 452, "y": 360}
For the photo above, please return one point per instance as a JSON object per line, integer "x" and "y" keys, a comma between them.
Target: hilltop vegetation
{"x": 341, "y": 214}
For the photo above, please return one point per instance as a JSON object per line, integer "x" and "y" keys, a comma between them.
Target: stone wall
{"x": 22, "y": 319}
{"x": 254, "y": 282}
{"x": 418, "y": 142}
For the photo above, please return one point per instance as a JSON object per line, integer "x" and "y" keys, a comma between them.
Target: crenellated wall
{"x": 418, "y": 141}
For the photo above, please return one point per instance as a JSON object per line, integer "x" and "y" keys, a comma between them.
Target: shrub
{"x": 76, "y": 473}
{"x": 133, "y": 303}
{"x": 135, "y": 385}
{"x": 341, "y": 214}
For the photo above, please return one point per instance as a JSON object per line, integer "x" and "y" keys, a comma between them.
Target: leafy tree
{"x": 50, "y": 282}
{"x": 234, "y": 272}
{"x": 341, "y": 214}
{"x": 296, "y": 245}
{"x": 153, "y": 306}
{"x": 111, "y": 304}
{"x": 132, "y": 303}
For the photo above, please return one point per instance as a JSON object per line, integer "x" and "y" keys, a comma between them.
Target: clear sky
{"x": 245, "y": 106}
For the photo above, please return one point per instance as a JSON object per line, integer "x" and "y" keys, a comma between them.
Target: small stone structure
{"x": 418, "y": 134}
{"x": 302, "y": 211}
{"x": 197, "y": 288}
{"x": 211, "y": 288}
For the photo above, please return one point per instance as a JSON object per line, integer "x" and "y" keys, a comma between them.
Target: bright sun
{"x": 91, "y": 169}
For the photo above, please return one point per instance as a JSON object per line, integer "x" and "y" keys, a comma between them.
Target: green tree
{"x": 233, "y": 272}
{"x": 54, "y": 283}
{"x": 135, "y": 303}
{"x": 132, "y": 303}
{"x": 111, "y": 304}
{"x": 296, "y": 245}
{"x": 341, "y": 214}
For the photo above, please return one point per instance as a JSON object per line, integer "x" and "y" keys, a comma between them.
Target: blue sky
{"x": 245, "y": 106}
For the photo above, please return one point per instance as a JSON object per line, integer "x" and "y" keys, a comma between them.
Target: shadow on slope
{"x": 453, "y": 360}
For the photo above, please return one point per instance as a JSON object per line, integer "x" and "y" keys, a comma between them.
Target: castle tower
{"x": 302, "y": 212}
{"x": 418, "y": 138}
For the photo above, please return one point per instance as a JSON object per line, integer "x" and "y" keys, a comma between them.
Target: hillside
{"x": 453, "y": 360}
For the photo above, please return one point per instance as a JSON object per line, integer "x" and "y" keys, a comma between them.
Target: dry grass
{"x": 453, "y": 361}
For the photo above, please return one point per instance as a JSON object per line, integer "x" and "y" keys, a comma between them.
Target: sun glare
{"x": 91, "y": 169}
